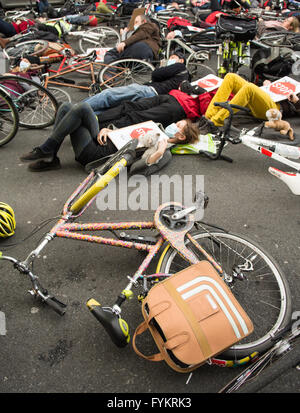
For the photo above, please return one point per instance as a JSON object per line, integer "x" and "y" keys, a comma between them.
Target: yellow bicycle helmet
{"x": 7, "y": 221}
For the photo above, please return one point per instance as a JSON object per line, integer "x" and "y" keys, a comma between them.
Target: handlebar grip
{"x": 116, "y": 327}
{"x": 57, "y": 306}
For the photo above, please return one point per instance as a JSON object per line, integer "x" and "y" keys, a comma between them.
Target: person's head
{"x": 20, "y": 65}
{"x": 176, "y": 57}
{"x": 139, "y": 20}
{"x": 185, "y": 131}
{"x": 291, "y": 24}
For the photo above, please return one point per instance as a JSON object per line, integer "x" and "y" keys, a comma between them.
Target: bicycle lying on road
{"x": 278, "y": 150}
{"x": 252, "y": 274}
{"x": 283, "y": 355}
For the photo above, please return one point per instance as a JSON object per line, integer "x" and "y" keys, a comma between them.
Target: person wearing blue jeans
{"x": 42, "y": 6}
{"x": 164, "y": 79}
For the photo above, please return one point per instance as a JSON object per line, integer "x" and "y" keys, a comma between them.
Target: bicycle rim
{"x": 37, "y": 108}
{"x": 125, "y": 72}
{"x": 196, "y": 67}
{"x": 97, "y": 38}
{"x": 9, "y": 119}
{"x": 60, "y": 95}
{"x": 264, "y": 293}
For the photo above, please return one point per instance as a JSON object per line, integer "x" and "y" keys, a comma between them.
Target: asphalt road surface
{"x": 42, "y": 352}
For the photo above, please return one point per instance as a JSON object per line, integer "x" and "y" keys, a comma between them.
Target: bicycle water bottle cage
{"x": 174, "y": 229}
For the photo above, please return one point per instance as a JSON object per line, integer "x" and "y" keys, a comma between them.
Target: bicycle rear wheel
{"x": 289, "y": 359}
{"x": 98, "y": 37}
{"x": 36, "y": 105}
{"x": 9, "y": 119}
{"x": 123, "y": 72}
{"x": 263, "y": 292}
{"x": 196, "y": 67}
{"x": 30, "y": 47}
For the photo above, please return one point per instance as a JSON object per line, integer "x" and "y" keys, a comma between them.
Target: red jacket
{"x": 212, "y": 19}
{"x": 197, "y": 106}
{"x": 23, "y": 26}
{"x": 194, "y": 107}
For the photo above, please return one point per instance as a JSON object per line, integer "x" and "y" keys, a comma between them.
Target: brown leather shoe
{"x": 4, "y": 42}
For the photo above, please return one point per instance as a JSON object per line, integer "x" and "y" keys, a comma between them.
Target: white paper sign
{"x": 282, "y": 88}
{"x": 100, "y": 52}
{"x": 120, "y": 137}
{"x": 209, "y": 82}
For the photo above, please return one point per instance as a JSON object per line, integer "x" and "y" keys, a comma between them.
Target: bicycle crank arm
{"x": 183, "y": 213}
{"x": 116, "y": 327}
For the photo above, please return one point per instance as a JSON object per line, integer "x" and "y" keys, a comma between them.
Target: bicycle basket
{"x": 241, "y": 29}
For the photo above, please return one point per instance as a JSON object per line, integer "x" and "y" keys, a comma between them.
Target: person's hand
{"x": 170, "y": 35}
{"x": 120, "y": 47}
{"x": 293, "y": 98}
{"x": 175, "y": 5}
{"x": 123, "y": 31}
{"x": 266, "y": 82}
{"x": 102, "y": 136}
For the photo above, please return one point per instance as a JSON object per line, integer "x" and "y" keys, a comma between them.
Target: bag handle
{"x": 140, "y": 330}
{"x": 184, "y": 307}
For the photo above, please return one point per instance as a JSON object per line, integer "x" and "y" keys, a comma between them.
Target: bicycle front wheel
{"x": 123, "y": 72}
{"x": 98, "y": 37}
{"x": 30, "y": 47}
{"x": 9, "y": 119}
{"x": 263, "y": 291}
{"x": 36, "y": 105}
{"x": 196, "y": 67}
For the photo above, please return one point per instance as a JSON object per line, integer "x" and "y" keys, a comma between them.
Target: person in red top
{"x": 10, "y": 29}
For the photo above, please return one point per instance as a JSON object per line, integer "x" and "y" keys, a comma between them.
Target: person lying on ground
{"x": 144, "y": 43}
{"x": 13, "y": 28}
{"x": 163, "y": 80}
{"x": 92, "y": 19}
{"x": 290, "y": 24}
{"x": 42, "y": 30}
{"x": 22, "y": 68}
{"x": 90, "y": 143}
{"x": 248, "y": 95}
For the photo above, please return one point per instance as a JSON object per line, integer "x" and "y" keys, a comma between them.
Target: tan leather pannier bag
{"x": 192, "y": 317}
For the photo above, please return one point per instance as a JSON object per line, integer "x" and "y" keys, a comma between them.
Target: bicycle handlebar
{"x": 259, "y": 44}
{"x": 230, "y": 106}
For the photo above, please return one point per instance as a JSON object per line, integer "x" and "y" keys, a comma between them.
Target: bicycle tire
{"x": 287, "y": 361}
{"x": 9, "y": 118}
{"x": 14, "y": 50}
{"x": 196, "y": 68}
{"x": 252, "y": 297}
{"x": 124, "y": 72}
{"x": 108, "y": 37}
{"x": 36, "y": 106}
{"x": 280, "y": 39}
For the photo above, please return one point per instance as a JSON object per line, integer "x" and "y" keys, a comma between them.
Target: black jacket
{"x": 168, "y": 78}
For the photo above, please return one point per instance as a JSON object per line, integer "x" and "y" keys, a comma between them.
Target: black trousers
{"x": 163, "y": 109}
{"x": 139, "y": 50}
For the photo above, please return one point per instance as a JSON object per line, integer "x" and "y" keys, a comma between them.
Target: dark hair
{"x": 180, "y": 55}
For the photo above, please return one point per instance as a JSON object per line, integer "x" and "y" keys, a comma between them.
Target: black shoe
{"x": 42, "y": 165}
{"x": 188, "y": 88}
{"x": 233, "y": 131}
{"x": 35, "y": 154}
{"x": 208, "y": 127}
